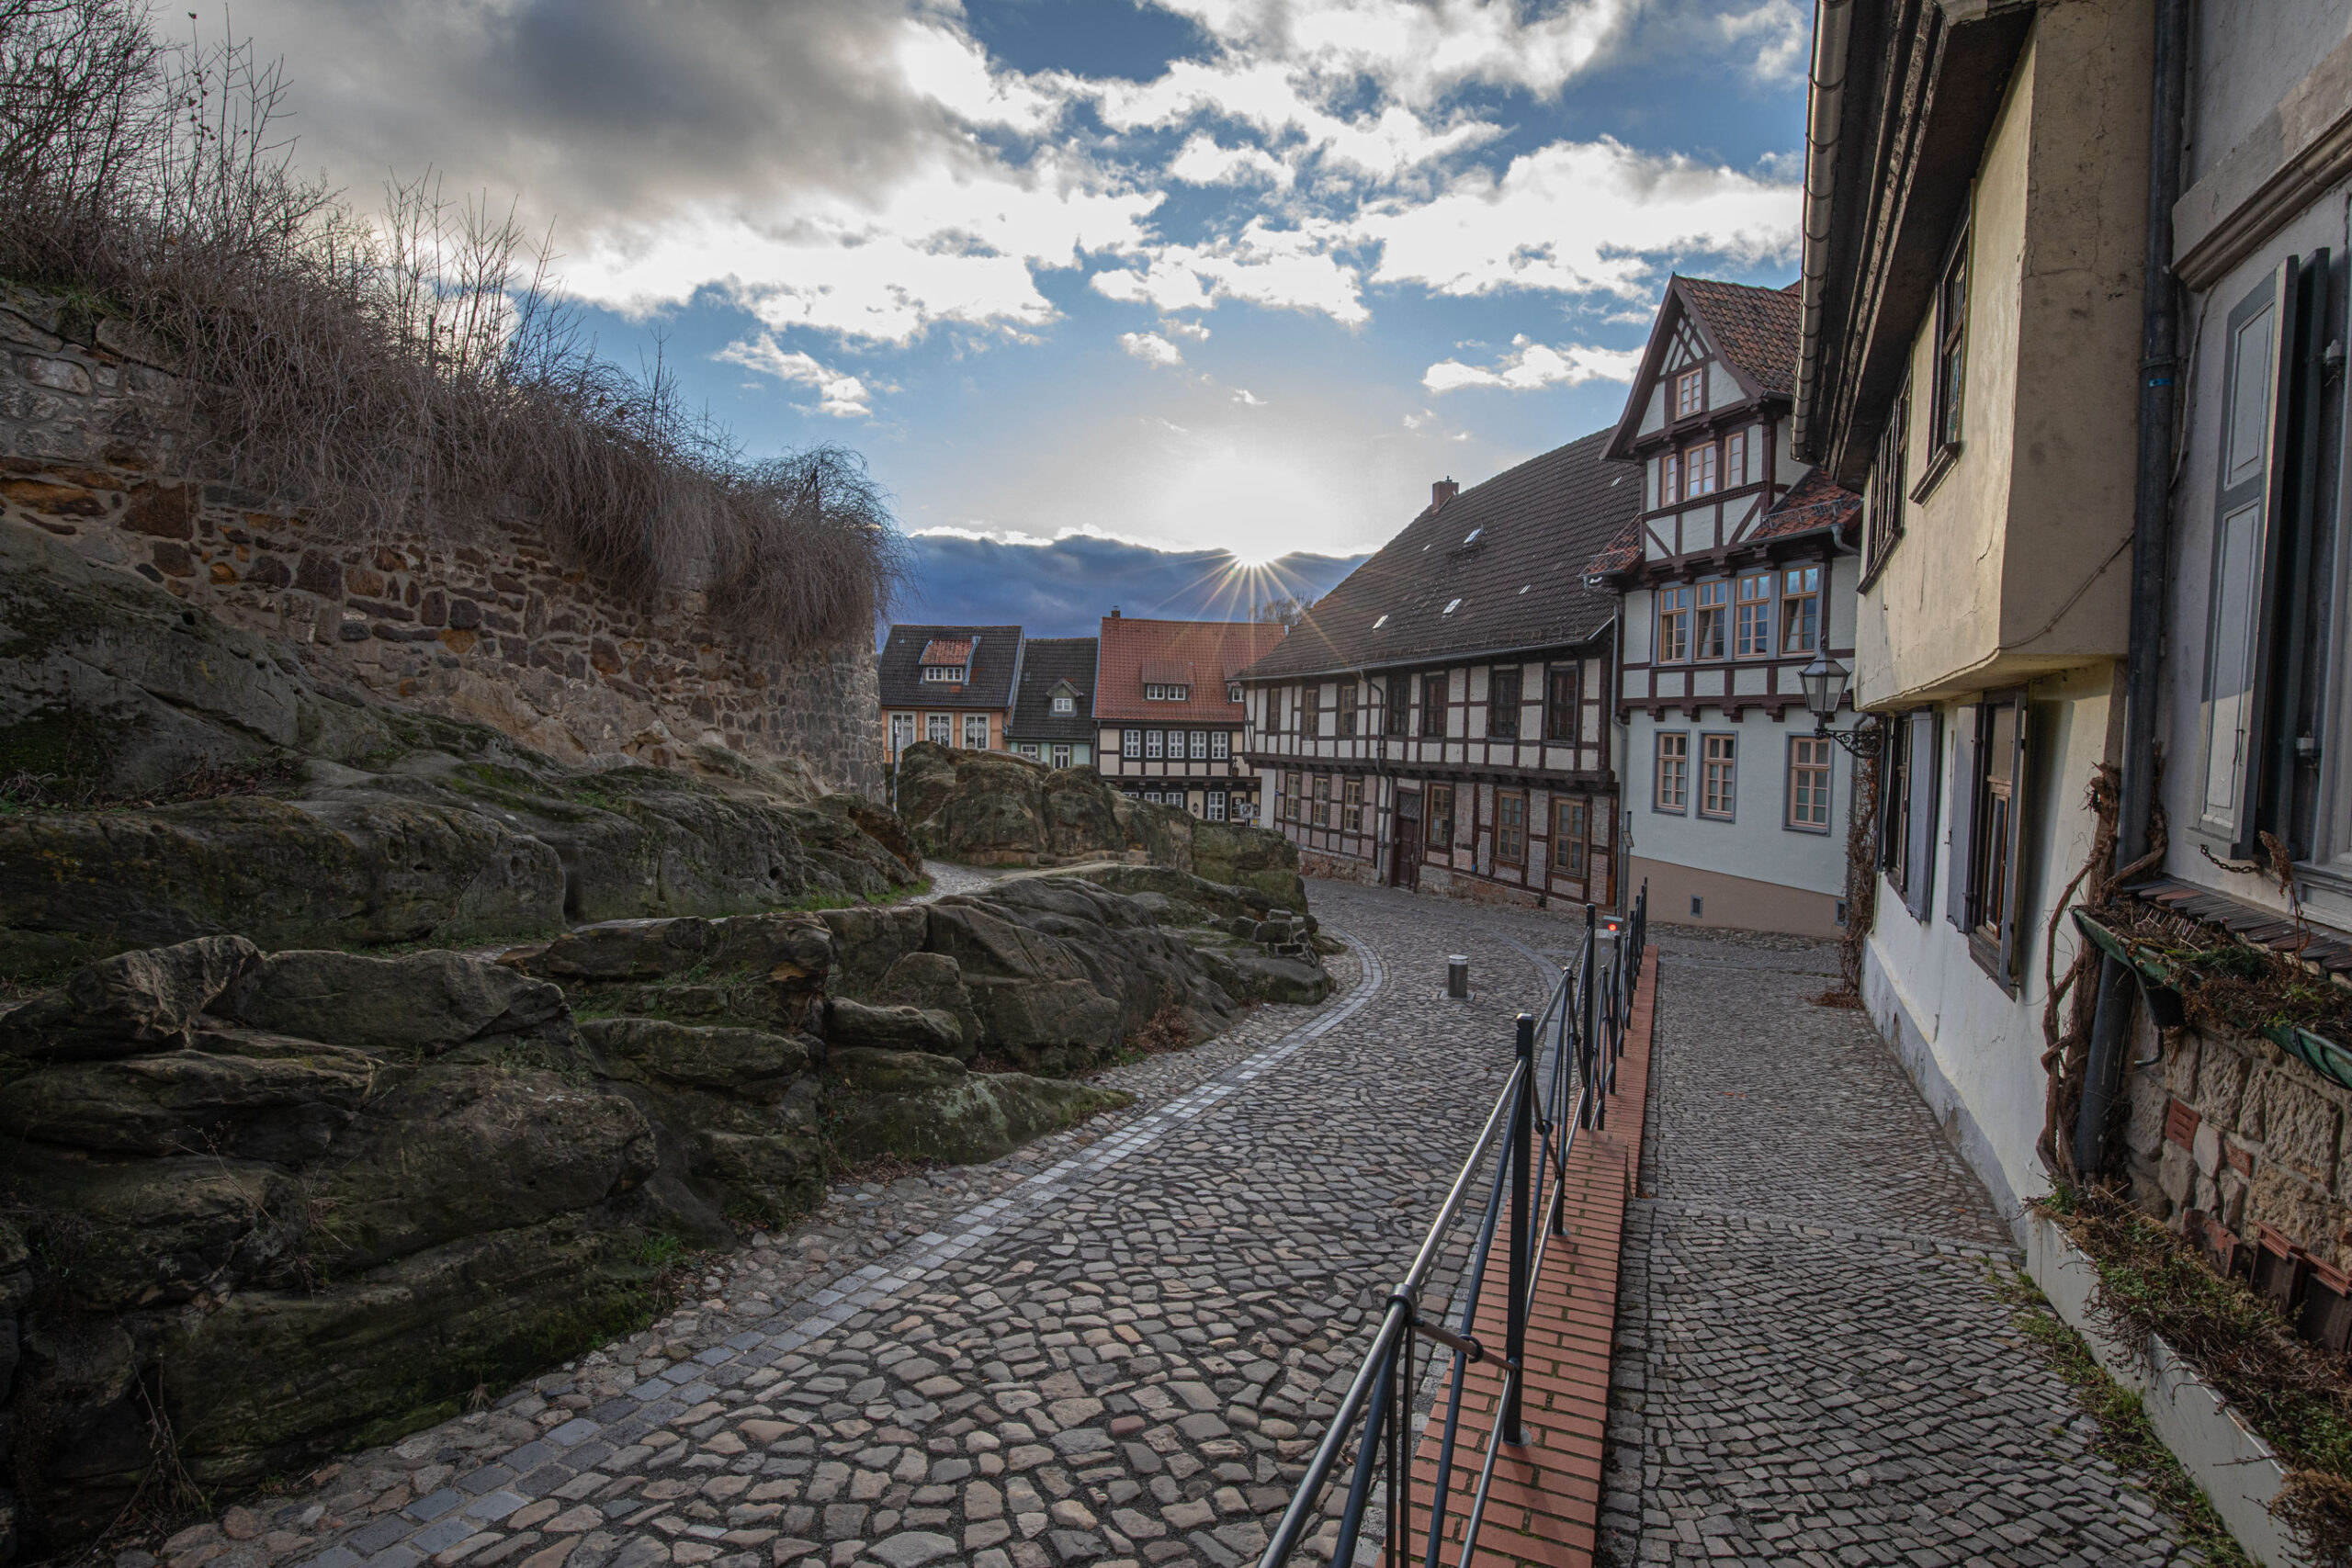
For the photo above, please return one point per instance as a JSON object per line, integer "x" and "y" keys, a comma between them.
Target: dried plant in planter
{"x": 2296, "y": 1395}
{"x": 415, "y": 372}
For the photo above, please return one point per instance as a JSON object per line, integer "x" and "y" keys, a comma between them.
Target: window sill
{"x": 1988, "y": 958}
{"x": 1805, "y": 827}
{"x": 1938, "y": 467}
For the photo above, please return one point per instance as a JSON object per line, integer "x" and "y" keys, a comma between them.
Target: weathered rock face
{"x": 382, "y": 826}
{"x": 989, "y": 809}
{"x": 307, "y": 1200}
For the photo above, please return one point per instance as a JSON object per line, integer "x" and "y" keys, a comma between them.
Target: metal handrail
{"x": 1531, "y": 1133}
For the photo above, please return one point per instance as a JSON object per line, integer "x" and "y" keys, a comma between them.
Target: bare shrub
{"x": 418, "y": 371}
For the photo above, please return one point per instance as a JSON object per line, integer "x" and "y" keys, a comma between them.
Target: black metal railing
{"x": 1527, "y": 1138}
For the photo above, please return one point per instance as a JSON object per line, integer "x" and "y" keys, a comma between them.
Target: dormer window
{"x": 946, "y": 662}
{"x": 945, "y": 674}
{"x": 1689, "y": 393}
{"x": 1065, "y": 704}
{"x": 1166, "y": 694}
{"x": 1233, "y": 692}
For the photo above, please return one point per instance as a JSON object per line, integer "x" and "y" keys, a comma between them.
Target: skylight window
{"x": 1451, "y": 606}
{"x": 1472, "y": 536}
{"x": 1525, "y": 586}
{"x": 1380, "y": 623}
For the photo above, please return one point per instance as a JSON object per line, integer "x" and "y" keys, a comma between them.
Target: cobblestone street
{"x": 1118, "y": 1344}
{"x": 1811, "y": 1364}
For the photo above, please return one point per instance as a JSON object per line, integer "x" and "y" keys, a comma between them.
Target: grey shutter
{"x": 1961, "y": 802}
{"x": 1895, "y": 747}
{"x": 1923, "y": 734}
{"x": 2014, "y": 883}
{"x": 2245, "y": 561}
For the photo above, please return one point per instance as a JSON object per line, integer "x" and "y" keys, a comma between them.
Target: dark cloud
{"x": 1064, "y": 588}
{"x": 603, "y": 110}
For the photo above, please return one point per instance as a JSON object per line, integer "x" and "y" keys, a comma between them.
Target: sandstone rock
{"x": 247, "y": 1094}
{"x": 893, "y": 1028}
{"x": 421, "y": 1004}
{"x": 924, "y": 1107}
{"x": 779, "y": 1174}
{"x": 750, "y": 1063}
{"x": 127, "y": 1234}
{"x": 134, "y": 1001}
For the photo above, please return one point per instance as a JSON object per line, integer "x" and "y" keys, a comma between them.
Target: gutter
{"x": 1824, "y": 109}
{"x": 2151, "y": 518}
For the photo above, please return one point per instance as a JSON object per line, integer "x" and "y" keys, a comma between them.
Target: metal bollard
{"x": 1457, "y": 976}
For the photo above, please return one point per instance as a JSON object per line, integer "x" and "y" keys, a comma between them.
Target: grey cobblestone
{"x": 1811, "y": 1364}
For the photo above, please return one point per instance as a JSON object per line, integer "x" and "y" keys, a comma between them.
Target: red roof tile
{"x": 1212, "y": 651}
{"x": 939, "y": 650}
{"x": 1813, "y": 502}
{"x": 1761, "y": 330}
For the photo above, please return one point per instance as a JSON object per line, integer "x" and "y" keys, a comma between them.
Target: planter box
{"x": 2323, "y": 1055}
{"x": 2237, "y": 1470}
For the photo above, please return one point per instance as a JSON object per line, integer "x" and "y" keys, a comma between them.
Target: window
{"x": 1065, "y": 704}
{"x": 1233, "y": 692}
{"x": 1690, "y": 393}
{"x": 1216, "y": 806}
{"x": 1564, "y": 703}
{"x": 1673, "y": 771}
{"x": 1907, "y": 826}
{"x": 1699, "y": 470}
{"x": 1736, "y": 446}
{"x": 1673, "y": 625}
{"x": 1801, "y": 609}
{"x": 937, "y": 728}
{"x": 1433, "y": 703}
{"x": 1151, "y": 745}
{"x": 1200, "y": 746}
{"x": 1752, "y": 633}
{"x": 1883, "y": 523}
{"x": 1510, "y": 827}
{"x": 1155, "y": 796}
{"x": 1714, "y": 615}
{"x": 1060, "y": 756}
{"x": 1131, "y": 743}
{"x": 945, "y": 674}
{"x": 1347, "y": 707}
{"x": 1027, "y": 750}
{"x": 1568, "y": 829}
{"x": 1398, "y": 714}
{"x": 1502, "y": 705}
{"x": 976, "y": 732}
{"x": 1669, "y": 479}
{"x": 1719, "y": 767}
{"x": 1351, "y": 805}
{"x": 1809, "y": 775}
{"x": 1220, "y": 746}
{"x": 1988, "y": 764}
{"x": 1322, "y": 800}
{"x": 902, "y": 731}
{"x": 1440, "y": 823}
{"x": 1951, "y": 366}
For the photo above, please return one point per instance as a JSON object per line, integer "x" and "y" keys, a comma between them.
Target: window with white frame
{"x": 1065, "y": 704}
{"x": 1233, "y": 692}
{"x": 902, "y": 731}
{"x": 943, "y": 675}
{"x": 1028, "y": 750}
{"x": 1690, "y": 393}
{"x": 1151, "y": 745}
{"x": 1131, "y": 743}
{"x": 1216, "y": 806}
{"x": 1735, "y": 461}
{"x": 1200, "y": 746}
{"x": 976, "y": 732}
{"x": 1062, "y": 756}
{"x": 1165, "y": 693}
{"x": 1220, "y": 746}
{"x": 938, "y": 728}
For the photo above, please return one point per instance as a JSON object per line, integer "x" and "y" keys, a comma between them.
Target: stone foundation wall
{"x": 493, "y": 628}
{"x": 2232, "y": 1127}
{"x": 1338, "y": 868}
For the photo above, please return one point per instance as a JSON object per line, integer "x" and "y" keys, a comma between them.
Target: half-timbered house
{"x": 1732, "y": 581}
{"x": 1168, "y": 712}
{"x": 1440, "y": 720}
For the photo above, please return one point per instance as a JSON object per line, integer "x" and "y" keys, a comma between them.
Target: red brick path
{"x": 1544, "y": 1505}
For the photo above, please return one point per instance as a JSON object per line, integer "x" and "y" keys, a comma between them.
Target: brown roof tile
{"x": 1813, "y": 502}
{"x": 1501, "y": 566}
{"x": 1208, "y": 653}
{"x": 1761, "y": 330}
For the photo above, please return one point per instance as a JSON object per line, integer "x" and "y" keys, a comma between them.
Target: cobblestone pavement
{"x": 1811, "y": 1364}
{"x": 1116, "y": 1346}
{"x": 947, "y": 878}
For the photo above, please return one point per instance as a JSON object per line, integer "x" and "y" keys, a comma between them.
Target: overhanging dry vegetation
{"x": 413, "y": 372}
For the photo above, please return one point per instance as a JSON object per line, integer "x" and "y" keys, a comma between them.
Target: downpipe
{"x": 2150, "y": 514}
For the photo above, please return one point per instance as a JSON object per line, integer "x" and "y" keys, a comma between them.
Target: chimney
{"x": 1114, "y": 611}
{"x": 1441, "y": 492}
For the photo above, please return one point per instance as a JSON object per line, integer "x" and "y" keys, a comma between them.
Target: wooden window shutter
{"x": 1963, "y": 796}
{"x": 1924, "y": 733}
{"x": 2013, "y": 885}
{"x": 2245, "y": 565}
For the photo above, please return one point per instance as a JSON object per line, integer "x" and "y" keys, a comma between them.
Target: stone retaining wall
{"x": 494, "y": 629}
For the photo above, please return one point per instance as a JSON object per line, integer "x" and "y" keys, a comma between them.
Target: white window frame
{"x": 1061, "y": 755}
{"x": 904, "y": 726}
{"x": 976, "y": 724}
{"x": 1216, "y": 806}
{"x": 1131, "y": 744}
{"x": 1065, "y": 704}
{"x": 939, "y": 728}
{"x": 1151, "y": 752}
{"x": 1220, "y": 746}
{"x": 1200, "y": 746}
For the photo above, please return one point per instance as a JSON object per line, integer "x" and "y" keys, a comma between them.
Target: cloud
{"x": 1193, "y": 330}
{"x": 1151, "y": 348}
{"x": 841, "y": 395}
{"x": 1533, "y": 366}
{"x": 1292, "y": 268}
{"x": 1063, "y": 586}
{"x": 1244, "y": 395}
{"x": 1203, "y": 163}
{"x": 1580, "y": 217}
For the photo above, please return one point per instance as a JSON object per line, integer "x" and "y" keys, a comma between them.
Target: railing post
{"x": 1521, "y": 1231}
{"x": 1591, "y": 1055}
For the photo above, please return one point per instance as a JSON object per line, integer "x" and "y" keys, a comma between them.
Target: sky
{"x": 1193, "y": 279}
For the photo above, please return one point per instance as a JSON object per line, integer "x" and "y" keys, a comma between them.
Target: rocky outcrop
{"x": 990, "y": 808}
{"x": 278, "y": 1203}
{"x": 368, "y": 823}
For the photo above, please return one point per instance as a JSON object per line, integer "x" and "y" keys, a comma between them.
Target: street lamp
{"x": 1824, "y": 690}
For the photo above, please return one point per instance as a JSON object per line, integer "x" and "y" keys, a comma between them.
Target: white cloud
{"x": 1578, "y": 216}
{"x": 1532, "y": 365}
{"x": 1193, "y": 330}
{"x": 840, "y": 394}
{"x": 1244, "y": 395}
{"x": 1291, "y": 268}
{"x": 1151, "y": 348}
{"x": 1203, "y": 163}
